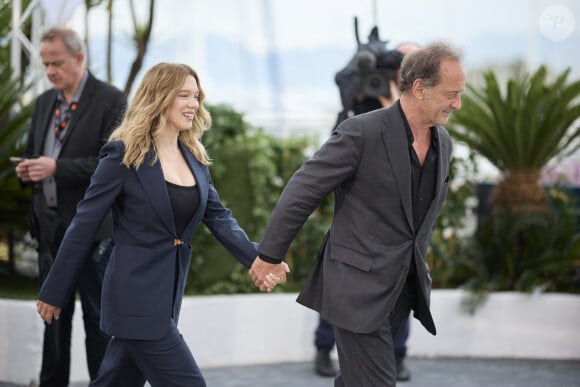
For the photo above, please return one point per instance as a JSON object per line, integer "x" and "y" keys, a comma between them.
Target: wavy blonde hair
{"x": 146, "y": 115}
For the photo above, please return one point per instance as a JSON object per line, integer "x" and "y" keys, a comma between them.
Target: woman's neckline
{"x": 180, "y": 186}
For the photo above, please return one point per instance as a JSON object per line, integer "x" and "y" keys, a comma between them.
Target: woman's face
{"x": 184, "y": 106}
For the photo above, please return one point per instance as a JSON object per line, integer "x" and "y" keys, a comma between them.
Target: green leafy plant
{"x": 519, "y": 130}
{"x": 14, "y": 119}
{"x": 446, "y": 258}
{"x": 13, "y": 127}
{"x": 529, "y": 240}
{"x": 527, "y": 251}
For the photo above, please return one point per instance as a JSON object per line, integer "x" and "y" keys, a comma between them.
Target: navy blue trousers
{"x": 164, "y": 362}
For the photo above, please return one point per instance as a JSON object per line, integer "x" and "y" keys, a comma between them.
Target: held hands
{"x": 267, "y": 275}
{"x": 47, "y": 312}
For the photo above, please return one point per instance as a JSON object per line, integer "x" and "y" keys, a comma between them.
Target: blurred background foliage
{"x": 14, "y": 119}
{"x": 527, "y": 250}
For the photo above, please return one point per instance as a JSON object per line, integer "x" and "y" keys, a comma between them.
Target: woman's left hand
{"x": 47, "y": 312}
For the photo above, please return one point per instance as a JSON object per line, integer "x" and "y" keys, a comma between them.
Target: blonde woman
{"x": 153, "y": 174}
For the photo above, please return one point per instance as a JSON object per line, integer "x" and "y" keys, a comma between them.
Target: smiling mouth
{"x": 189, "y": 116}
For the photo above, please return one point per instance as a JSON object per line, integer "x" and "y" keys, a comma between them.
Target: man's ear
{"x": 420, "y": 91}
{"x": 80, "y": 56}
{"x": 419, "y": 88}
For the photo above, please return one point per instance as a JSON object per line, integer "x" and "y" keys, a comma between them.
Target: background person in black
{"x": 70, "y": 123}
{"x": 324, "y": 339}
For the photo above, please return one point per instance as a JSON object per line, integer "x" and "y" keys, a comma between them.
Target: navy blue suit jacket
{"x": 145, "y": 279}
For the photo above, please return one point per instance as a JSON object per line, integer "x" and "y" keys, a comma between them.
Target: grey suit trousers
{"x": 368, "y": 360}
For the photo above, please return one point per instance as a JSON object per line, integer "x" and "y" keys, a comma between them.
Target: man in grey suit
{"x": 389, "y": 171}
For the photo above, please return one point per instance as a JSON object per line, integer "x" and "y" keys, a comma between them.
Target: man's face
{"x": 445, "y": 97}
{"x": 62, "y": 69}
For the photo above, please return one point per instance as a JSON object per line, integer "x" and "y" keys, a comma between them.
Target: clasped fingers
{"x": 267, "y": 275}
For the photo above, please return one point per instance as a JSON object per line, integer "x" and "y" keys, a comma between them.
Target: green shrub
{"x": 527, "y": 251}
{"x": 446, "y": 258}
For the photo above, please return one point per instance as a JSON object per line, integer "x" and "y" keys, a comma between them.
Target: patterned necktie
{"x": 62, "y": 118}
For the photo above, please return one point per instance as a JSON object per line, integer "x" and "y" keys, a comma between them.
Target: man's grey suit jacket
{"x": 364, "y": 262}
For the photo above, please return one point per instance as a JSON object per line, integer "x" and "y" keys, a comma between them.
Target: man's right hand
{"x": 22, "y": 171}
{"x": 36, "y": 169}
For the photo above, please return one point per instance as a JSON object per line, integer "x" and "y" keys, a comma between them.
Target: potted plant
{"x": 529, "y": 239}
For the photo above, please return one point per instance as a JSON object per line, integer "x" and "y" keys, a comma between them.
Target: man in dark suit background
{"x": 70, "y": 123}
{"x": 389, "y": 171}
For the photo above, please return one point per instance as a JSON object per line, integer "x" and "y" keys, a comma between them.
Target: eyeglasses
{"x": 61, "y": 119}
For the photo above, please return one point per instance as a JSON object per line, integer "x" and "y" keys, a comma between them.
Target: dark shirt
{"x": 423, "y": 177}
{"x": 184, "y": 203}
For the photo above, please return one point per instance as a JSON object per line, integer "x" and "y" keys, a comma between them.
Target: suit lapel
{"x": 85, "y": 102}
{"x": 46, "y": 116}
{"x": 442, "y": 168}
{"x": 153, "y": 182}
{"x": 397, "y": 146}
{"x": 202, "y": 184}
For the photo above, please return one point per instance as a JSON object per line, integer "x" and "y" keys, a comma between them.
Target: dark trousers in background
{"x": 324, "y": 337}
{"x": 55, "y": 371}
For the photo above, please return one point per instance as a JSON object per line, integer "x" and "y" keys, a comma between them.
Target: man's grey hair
{"x": 424, "y": 64}
{"x": 70, "y": 38}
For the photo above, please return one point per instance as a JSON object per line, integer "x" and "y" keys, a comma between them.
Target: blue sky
{"x": 275, "y": 60}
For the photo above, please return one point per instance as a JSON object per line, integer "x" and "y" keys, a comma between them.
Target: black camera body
{"x": 369, "y": 72}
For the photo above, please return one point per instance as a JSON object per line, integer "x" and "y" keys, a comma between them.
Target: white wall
{"x": 273, "y": 328}
{"x": 509, "y": 324}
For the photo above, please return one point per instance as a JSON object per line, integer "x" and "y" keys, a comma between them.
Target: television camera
{"x": 369, "y": 72}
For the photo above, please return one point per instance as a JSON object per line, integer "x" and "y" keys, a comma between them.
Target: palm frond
{"x": 522, "y": 128}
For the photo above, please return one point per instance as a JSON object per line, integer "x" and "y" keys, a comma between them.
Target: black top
{"x": 184, "y": 203}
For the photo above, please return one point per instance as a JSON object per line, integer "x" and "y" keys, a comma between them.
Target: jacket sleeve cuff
{"x": 268, "y": 259}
